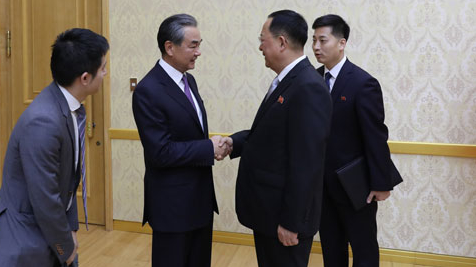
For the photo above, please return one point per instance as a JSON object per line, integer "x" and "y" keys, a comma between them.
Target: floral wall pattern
{"x": 423, "y": 52}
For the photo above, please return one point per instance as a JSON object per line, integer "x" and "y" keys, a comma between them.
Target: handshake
{"x": 222, "y": 146}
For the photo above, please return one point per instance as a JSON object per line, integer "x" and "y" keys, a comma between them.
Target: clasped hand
{"x": 222, "y": 146}
{"x": 286, "y": 237}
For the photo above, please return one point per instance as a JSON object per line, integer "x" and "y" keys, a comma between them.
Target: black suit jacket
{"x": 282, "y": 156}
{"x": 357, "y": 129}
{"x": 178, "y": 186}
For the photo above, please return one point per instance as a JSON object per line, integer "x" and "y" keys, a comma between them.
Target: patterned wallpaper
{"x": 422, "y": 52}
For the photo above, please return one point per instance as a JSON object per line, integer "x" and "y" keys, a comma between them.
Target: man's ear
{"x": 169, "y": 48}
{"x": 283, "y": 43}
{"x": 342, "y": 43}
{"x": 85, "y": 78}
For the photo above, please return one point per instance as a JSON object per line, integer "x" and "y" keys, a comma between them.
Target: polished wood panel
{"x": 35, "y": 25}
{"x": 98, "y": 247}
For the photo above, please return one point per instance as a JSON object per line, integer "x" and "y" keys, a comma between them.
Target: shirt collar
{"x": 171, "y": 71}
{"x": 289, "y": 67}
{"x": 73, "y": 103}
{"x": 336, "y": 69}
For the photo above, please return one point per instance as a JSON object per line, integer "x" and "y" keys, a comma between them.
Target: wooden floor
{"x": 99, "y": 248}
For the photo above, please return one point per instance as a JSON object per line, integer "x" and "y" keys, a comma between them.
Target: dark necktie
{"x": 81, "y": 120}
{"x": 187, "y": 92}
{"x": 328, "y": 78}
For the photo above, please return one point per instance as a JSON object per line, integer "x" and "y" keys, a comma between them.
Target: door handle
{"x": 9, "y": 44}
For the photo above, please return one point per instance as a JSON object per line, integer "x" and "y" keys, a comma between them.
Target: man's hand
{"x": 75, "y": 251}
{"x": 378, "y": 195}
{"x": 286, "y": 237}
{"x": 222, "y": 146}
{"x": 228, "y": 142}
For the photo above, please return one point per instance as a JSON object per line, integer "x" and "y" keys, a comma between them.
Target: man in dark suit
{"x": 43, "y": 163}
{"x": 179, "y": 197}
{"x": 357, "y": 130}
{"x": 279, "y": 184}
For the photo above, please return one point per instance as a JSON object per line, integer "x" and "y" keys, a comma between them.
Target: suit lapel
{"x": 65, "y": 111}
{"x": 174, "y": 91}
{"x": 341, "y": 81}
{"x": 320, "y": 70}
{"x": 282, "y": 86}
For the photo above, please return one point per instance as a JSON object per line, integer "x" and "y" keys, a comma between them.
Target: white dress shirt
{"x": 177, "y": 78}
{"x": 334, "y": 72}
{"x": 284, "y": 72}
{"x": 289, "y": 67}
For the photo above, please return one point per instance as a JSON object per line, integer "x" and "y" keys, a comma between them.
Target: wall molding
{"x": 396, "y": 147}
{"x": 123, "y": 134}
{"x": 435, "y": 149}
{"x": 393, "y": 255}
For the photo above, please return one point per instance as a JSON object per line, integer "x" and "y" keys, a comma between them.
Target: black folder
{"x": 354, "y": 178}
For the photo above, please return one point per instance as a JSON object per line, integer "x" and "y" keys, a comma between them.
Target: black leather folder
{"x": 395, "y": 176}
{"x": 354, "y": 178}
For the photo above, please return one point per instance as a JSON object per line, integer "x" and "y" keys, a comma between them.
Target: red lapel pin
{"x": 343, "y": 98}
{"x": 281, "y": 99}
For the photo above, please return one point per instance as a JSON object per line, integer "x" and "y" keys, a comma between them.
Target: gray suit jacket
{"x": 39, "y": 178}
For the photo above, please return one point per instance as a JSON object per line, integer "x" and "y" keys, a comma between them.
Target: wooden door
{"x": 34, "y": 25}
{"x": 4, "y": 81}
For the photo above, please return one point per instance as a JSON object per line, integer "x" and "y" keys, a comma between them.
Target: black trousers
{"x": 271, "y": 253}
{"x": 184, "y": 249}
{"x": 341, "y": 225}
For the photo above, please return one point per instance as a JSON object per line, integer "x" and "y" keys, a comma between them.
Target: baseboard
{"x": 393, "y": 255}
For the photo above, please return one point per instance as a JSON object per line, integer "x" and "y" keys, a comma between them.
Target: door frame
{"x": 108, "y": 201}
{"x": 5, "y": 76}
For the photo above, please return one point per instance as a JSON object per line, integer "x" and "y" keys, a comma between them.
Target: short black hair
{"x": 290, "y": 24}
{"x": 171, "y": 29}
{"x": 340, "y": 28}
{"x": 76, "y": 51}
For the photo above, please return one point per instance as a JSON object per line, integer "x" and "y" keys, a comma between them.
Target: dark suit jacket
{"x": 39, "y": 179}
{"x": 282, "y": 156}
{"x": 357, "y": 129}
{"x": 178, "y": 184}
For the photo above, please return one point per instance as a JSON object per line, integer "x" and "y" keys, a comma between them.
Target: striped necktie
{"x": 81, "y": 119}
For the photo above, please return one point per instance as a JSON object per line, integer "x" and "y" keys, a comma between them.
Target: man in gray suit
{"x": 44, "y": 159}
